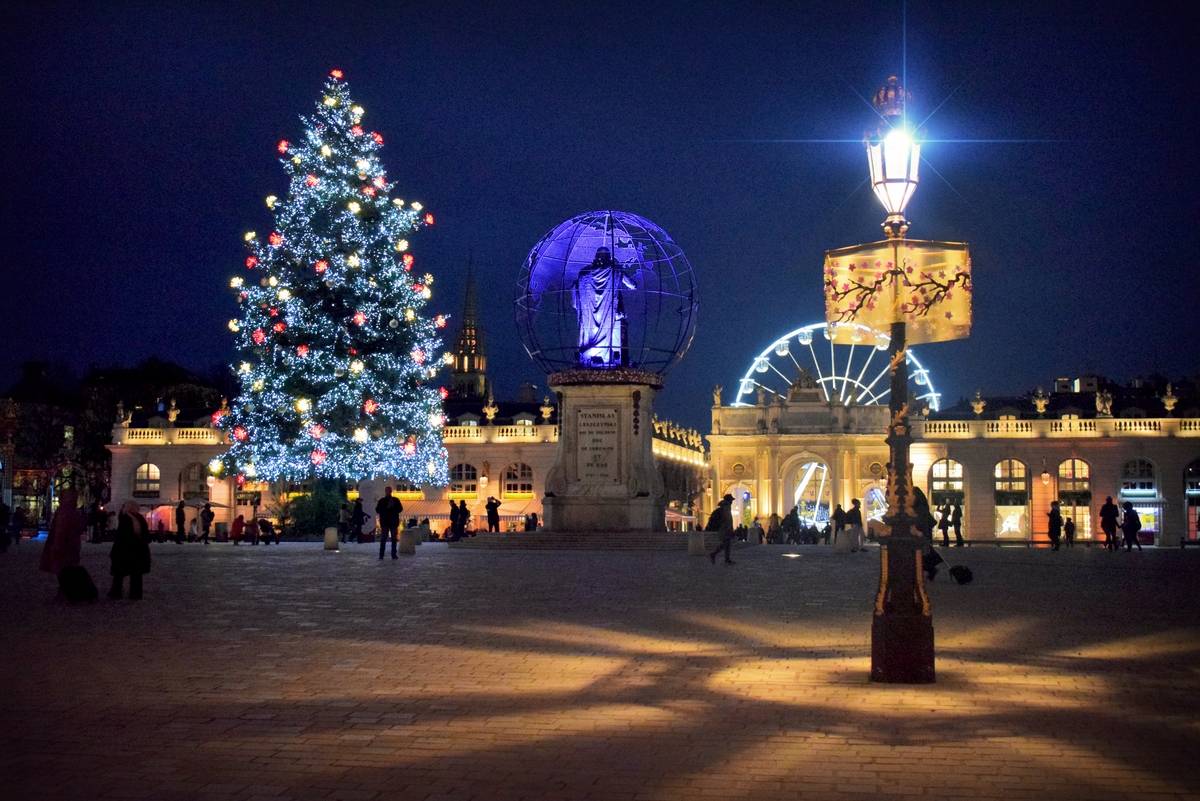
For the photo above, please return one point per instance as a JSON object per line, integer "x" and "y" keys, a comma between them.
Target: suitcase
{"x": 962, "y": 574}
{"x": 77, "y": 585}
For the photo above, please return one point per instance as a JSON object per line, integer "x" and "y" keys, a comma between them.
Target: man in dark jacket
{"x": 721, "y": 522}
{"x": 180, "y": 522}
{"x": 388, "y": 511}
{"x": 130, "y": 552}
{"x": 493, "y": 514}
{"x": 1109, "y": 515}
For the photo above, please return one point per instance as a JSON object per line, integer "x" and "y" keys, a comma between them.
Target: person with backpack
{"x": 1131, "y": 526}
{"x": 721, "y": 522}
{"x": 207, "y": 515}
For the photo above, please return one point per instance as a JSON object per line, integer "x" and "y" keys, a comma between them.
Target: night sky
{"x": 139, "y": 143}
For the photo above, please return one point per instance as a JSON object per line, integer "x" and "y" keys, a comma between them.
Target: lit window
{"x": 1075, "y": 496}
{"x": 463, "y": 479}
{"x": 518, "y": 479}
{"x": 146, "y": 481}
{"x": 1138, "y": 477}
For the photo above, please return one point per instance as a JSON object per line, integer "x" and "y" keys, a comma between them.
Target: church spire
{"x": 469, "y": 378}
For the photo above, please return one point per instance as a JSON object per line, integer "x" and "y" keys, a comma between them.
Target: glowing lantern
{"x": 322, "y": 266}
{"x": 282, "y": 147}
{"x": 370, "y": 406}
{"x": 408, "y": 261}
{"x": 275, "y": 239}
{"x": 356, "y": 130}
{"x": 369, "y": 191}
{"x": 440, "y": 321}
{"x": 337, "y": 74}
{"x": 359, "y": 318}
{"x": 216, "y": 417}
{"x": 353, "y": 206}
{"x": 258, "y": 336}
{"x": 410, "y": 447}
{"x": 418, "y": 356}
{"x": 302, "y": 350}
{"x": 429, "y": 219}
{"x": 279, "y": 327}
{"x": 311, "y": 179}
{"x": 303, "y": 405}
{"x": 356, "y": 366}
{"x": 360, "y": 435}
{"x": 380, "y": 182}
{"x": 318, "y": 457}
{"x": 378, "y": 139}
{"x": 251, "y": 261}
{"x": 234, "y": 327}
{"x": 240, "y": 434}
{"x": 443, "y": 393}
{"x": 317, "y": 430}
{"x": 271, "y": 201}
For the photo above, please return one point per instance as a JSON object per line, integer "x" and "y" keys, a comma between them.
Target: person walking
{"x": 1109, "y": 515}
{"x": 944, "y": 515}
{"x": 721, "y": 522}
{"x": 1131, "y": 526}
{"x": 1069, "y": 532}
{"x": 193, "y": 530}
{"x": 236, "y": 530}
{"x": 493, "y": 514}
{"x": 854, "y": 526}
{"x": 252, "y": 530}
{"x": 130, "y": 553}
{"x": 344, "y": 521}
{"x": 63, "y": 542}
{"x": 358, "y": 519}
{"x": 206, "y": 520}
{"x": 956, "y": 521}
{"x": 1056, "y": 524}
{"x": 387, "y": 511}
{"x": 180, "y": 523}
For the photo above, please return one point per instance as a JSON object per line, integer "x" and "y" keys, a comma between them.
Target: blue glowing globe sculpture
{"x": 606, "y": 290}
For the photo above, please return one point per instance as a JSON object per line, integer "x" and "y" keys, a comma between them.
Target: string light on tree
{"x": 335, "y": 370}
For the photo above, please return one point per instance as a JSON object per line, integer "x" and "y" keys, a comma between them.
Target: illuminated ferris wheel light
{"x": 843, "y": 373}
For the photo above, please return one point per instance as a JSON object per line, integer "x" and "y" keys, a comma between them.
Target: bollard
{"x": 331, "y": 538}
{"x": 408, "y": 541}
{"x": 696, "y": 543}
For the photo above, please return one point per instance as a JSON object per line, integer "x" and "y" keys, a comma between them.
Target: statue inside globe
{"x": 596, "y": 296}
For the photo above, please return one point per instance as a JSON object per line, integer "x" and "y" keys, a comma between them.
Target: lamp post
{"x": 916, "y": 291}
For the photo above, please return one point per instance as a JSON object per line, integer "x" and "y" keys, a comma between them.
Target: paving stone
{"x": 294, "y": 673}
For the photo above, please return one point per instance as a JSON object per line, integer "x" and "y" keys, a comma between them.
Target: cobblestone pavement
{"x": 293, "y": 673}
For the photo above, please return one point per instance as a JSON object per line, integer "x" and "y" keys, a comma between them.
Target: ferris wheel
{"x": 855, "y": 373}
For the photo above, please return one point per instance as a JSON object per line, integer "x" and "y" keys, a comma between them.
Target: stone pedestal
{"x": 331, "y": 538}
{"x": 408, "y": 540}
{"x": 604, "y": 477}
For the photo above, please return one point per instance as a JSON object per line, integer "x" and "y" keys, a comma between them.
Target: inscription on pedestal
{"x": 596, "y": 437}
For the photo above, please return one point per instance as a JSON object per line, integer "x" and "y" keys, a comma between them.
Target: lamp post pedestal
{"x": 902, "y": 627}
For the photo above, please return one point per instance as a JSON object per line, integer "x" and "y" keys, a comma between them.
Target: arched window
{"x": 146, "y": 481}
{"x": 463, "y": 479}
{"x": 1191, "y": 488}
{"x": 1012, "y": 499}
{"x": 518, "y": 480}
{"x": 1075, "y": 495}
{"x": 946, "y": 483}
{"x": 193, "y": 480}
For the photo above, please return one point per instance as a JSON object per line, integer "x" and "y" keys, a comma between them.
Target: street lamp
{"x": 917, "y": 291}
{"x": 894, "y": 155}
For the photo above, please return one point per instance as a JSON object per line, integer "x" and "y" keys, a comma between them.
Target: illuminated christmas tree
{"x": 337, "y": 358}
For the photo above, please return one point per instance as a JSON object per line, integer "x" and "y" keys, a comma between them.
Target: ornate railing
{"x": 1099, "y": 427}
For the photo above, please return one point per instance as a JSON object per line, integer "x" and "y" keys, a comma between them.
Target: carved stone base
{"x": 604, "y": 478}
{"x": 902, "y": 649}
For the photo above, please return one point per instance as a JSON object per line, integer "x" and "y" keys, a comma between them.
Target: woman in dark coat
{"x": 1056, "y": 524}
{"x": 130, "y": 552}
{"x": 924, "y": 522}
